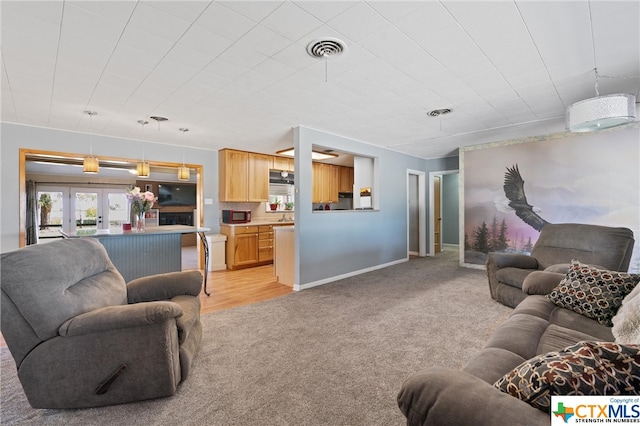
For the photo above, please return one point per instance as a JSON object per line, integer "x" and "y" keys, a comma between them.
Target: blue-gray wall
{"x": 343, "y": 243}
{"x": 331, "y": 245}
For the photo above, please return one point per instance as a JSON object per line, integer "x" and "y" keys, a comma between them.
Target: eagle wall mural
{"x": 588, "y": 178}
{"x": 514, "y": 191}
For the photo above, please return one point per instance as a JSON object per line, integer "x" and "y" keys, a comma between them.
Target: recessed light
{"x": 439, "y": 112}
{"x": 315, "y": 155}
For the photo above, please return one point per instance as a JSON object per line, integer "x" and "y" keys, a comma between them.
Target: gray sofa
{"x": 509, "y": 382}
{"x": 438, "y": 396}
{"x": 509, "y": 273}
{"x": 82, "y": 337}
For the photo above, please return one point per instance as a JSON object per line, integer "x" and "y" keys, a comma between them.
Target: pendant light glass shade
{"x": 90, "y": 165}
{"x": 601, "y": 112}
{"x": 183, "y": 173}
{"x": 143, "y": 169}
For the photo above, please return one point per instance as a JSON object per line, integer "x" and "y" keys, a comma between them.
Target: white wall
{"x": 15, "y": 137}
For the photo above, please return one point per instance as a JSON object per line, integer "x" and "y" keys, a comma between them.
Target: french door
{"x": 79, "y": 210}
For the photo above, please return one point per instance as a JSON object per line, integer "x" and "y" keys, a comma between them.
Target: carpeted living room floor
{"x": 336, "y": 354}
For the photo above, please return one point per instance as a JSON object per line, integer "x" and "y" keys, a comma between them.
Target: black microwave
{"x": 236, "y": 216}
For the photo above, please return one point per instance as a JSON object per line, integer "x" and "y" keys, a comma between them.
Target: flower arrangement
{"x": 140, "y": 201}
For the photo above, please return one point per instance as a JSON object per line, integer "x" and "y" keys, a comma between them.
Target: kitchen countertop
{"x": 150, "y": 230}
{"x": 260, "y": 222}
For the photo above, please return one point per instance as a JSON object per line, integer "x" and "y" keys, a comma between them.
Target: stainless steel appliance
{"x": 345, "y": 201}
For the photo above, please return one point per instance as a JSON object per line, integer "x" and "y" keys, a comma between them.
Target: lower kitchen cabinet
{"x": 249, "y": 245}
{"x": 242, "y": 245}
{"x": 265, "y": 243}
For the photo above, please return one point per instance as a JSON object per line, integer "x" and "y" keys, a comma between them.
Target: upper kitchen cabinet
{"x": 345, "y": 182}
{"x": 259, "y": 177}
{"x": 325, "y": 183}
{"x": 244, "y": 176}
{"x": 282, "y": 163}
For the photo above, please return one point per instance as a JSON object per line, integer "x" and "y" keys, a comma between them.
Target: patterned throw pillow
{"x": 592, "y": 292}
{"x": 586, "y": 368}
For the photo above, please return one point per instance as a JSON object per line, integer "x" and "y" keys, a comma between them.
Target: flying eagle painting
{"x": 514, "y": 190}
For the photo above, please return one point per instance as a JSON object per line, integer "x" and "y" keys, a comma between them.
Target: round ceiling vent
{"x": 326, "y": 47}
{"x": 439, "y": 112}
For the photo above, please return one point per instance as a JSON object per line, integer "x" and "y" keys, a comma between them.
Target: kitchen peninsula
{"x": 137, "y": 254}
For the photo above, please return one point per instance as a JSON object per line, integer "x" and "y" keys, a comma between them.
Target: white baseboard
{"x": 298, "y": 287}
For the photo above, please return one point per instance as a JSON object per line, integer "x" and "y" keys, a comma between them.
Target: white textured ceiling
{"x": 236, "y": 73}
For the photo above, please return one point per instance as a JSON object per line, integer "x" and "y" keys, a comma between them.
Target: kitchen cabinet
{"x": 282, "y": 163}
{"x": 345, "y": 182}
{"x": 243, "y": 176}
{"x": 325, "y": 183}
{"x": 265, "y": 243}
{"x": 258, "y": 187}
{"x": 317, "y": 183}
{"x": 242, "y": 245}
{"x": 249, "y": 245}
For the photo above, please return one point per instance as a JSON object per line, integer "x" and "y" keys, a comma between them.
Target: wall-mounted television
{"x": 176, "y": 194}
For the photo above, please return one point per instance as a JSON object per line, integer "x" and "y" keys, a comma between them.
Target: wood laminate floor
{"x": 230, "y": 289}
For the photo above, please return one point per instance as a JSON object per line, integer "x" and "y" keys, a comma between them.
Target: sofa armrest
{"x": 541, "y": 282}
{"x": 120, "y": 317}
{"x": 438, "y": 396}
{"x": 512, "y": 260}
{"x": 164, "y": 286}
{"x": 497, "y": 261}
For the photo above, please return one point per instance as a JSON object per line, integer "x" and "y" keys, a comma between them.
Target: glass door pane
{"x": 84, "y": 210}
{"x": 50, "y": 214}
{"x": 117, "y": 209}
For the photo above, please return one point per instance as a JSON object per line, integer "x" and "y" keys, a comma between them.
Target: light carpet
{"x": 336, "y": 354}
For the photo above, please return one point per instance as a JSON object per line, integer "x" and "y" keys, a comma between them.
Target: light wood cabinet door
{"x": 330, "y": 176}
{"x": 246, "y": 249}
{"x": 243, "y": 176}
{"x": 258, "y": 188}
{"x": 325, "y": 183}
{"x": 233, "y": 175}
{"x": 282, "y": 163}
{"x": 318, "y": 182}
{"x": 345, "y": 183}
{"x": 265, "y": 243}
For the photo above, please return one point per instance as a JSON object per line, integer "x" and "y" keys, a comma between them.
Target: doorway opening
{"x": 443, "y": 211}
{"x": 65, "y": 209}
{"x": 416, "y": 214}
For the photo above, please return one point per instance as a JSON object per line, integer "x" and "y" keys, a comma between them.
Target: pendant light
{"x": 142, "y": 167}
{"x": 90, "y": 164}
{"x": 601, "y": 112}
{"x": 183, "y": 172}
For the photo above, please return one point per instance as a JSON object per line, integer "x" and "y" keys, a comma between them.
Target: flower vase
{"x": 139, "y": 222}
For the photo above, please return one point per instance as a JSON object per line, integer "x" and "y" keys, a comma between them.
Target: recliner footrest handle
{"x": 104, "y": 386}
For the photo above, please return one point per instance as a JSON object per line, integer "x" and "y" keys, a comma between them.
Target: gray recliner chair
{"x": 512, "y": 277}
{"x": 82, "y": 337}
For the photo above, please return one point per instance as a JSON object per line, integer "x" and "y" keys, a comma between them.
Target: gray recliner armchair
{"x": 514, "y": 276}
{"x": 82, "y": 337}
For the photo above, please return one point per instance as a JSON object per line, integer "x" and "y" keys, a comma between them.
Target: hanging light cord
{"x": 183, "y": 130}
{"x": 144, "y": 123}
{"x": 91, "y": 114}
